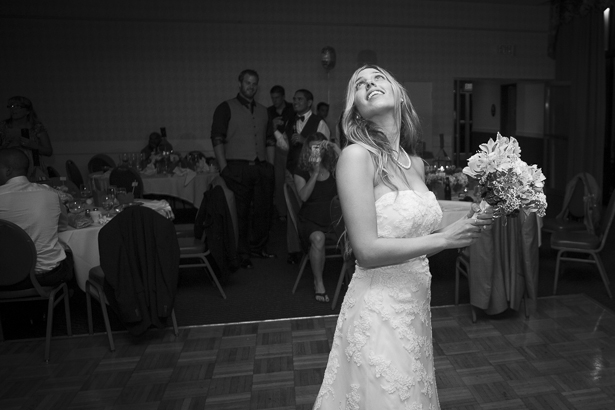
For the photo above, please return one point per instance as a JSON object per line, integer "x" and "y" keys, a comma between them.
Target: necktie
{"x": 301, "y": 118}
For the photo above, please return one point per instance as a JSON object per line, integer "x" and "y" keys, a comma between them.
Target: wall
{"x": 103, "y": 75}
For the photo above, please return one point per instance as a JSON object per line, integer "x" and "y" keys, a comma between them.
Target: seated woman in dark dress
{"x": 315, "y": 183}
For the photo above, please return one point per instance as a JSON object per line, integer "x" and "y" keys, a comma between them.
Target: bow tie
{"x": 301, "y": 118}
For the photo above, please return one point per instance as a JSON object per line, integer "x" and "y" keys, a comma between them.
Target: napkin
{"x": 150, "y": 169}
{"x": 190, "y": 174}
{"x": 178, "y": 171}
{"x": 202, "y": 166}
{"x": 79, "y": 221}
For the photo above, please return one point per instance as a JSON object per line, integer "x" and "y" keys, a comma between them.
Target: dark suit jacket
{"x": 139, "y": 255}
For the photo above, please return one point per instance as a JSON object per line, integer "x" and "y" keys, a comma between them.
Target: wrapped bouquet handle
{"x": 483, "y": 206}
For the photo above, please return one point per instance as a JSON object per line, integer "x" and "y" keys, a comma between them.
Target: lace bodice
{"x": 407, "y": 214}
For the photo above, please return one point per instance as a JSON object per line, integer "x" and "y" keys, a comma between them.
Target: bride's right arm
{"x": 355, "y": 176}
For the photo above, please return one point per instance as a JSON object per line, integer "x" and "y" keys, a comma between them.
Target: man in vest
{"x": 245, "y": 151}
{"x": 295, "y": 133}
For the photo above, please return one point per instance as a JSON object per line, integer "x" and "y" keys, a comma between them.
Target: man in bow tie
{"x": 295, "y": 133}
{"x": 299, "y": 128}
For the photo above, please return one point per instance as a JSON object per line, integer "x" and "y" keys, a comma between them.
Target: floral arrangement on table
{"x": 459, "y": 181}
{"x": 506, "y": 182}
{"x": 435, "y": 177}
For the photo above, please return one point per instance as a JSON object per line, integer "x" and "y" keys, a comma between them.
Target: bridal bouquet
{"x": 506, "y": 182}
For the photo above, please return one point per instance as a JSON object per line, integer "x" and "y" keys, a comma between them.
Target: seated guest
{"x": 315, "y": 183}
{"x": 156, "y": 145}
{"x": 25, "y": 131}
{"x": 38, "y": 211}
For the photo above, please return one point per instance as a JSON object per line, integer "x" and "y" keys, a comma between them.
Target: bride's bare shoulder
{"x": 354, "y": 153}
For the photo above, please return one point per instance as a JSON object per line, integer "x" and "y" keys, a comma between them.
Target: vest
{"x": 294, "y": 151}
{"x": 247, "y": 132}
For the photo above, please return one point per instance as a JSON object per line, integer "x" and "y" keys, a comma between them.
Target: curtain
{"x": 580, "y": 60}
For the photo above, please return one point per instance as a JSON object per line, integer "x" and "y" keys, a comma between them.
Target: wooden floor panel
{"x": 562, "y": 357}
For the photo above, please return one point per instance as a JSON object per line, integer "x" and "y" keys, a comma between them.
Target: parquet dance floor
{"x": 562, "y": 357}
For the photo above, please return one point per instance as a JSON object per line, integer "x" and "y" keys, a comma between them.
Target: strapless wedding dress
{"x": 382, "y": 353}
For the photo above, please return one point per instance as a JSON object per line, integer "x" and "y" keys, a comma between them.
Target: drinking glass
{"x": 107, "y": 202}
{"x": 74, "y": 207}
{"x": 85, "y": 190}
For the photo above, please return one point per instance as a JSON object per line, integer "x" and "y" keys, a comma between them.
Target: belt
{"x": 245, "y": 161}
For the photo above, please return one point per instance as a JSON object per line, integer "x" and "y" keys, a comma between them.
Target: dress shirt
{"x": 322, "y": 126}
{"x": 37, "y": 209}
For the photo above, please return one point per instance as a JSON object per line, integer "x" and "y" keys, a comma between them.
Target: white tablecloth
{"x": 84, "y": 244}
{"x": 183, "y": 187}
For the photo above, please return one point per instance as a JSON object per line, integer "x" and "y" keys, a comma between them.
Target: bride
{"x": 382, "y": 353}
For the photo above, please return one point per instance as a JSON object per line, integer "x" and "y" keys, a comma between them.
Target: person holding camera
{"x": 315, "y": 182}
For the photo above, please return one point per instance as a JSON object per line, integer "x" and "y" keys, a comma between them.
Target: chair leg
{"x": 457, "y": 283}
{"x": 174, "y": 319}
{"x": 213, "y": 276}
{"x": 339, "y": 285}
{"x": 304, "y": 262}
{"x": 603, "y": 274}
{"x": 69, "y": 328}
{"x": 1, "y": 332}
{"x": 557, "y": 263}
{"x": 103, "y": 306}
{"x": 88, "y": 301}
{"x": 50, "y": 306}
{"x": 473, "y": 313}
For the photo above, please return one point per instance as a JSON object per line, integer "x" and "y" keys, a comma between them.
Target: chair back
{"x": 123, "y": 177}
{"x": 73, "y": 173}
{"x": 17, "y": 254}
{"x": 100, "y": 163}
{"x": 53, "y": 173}
{"x": 576, "y": 206}
{"x": 607, "y": 220}
{"x": 139, "y": 255}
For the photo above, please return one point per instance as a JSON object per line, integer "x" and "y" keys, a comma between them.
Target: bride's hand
{"x": 467, "y": 230}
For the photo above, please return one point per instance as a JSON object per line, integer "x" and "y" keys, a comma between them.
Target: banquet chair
{"x": 193, "y": 245}
{"x": 577, "y": 212}
{"x": 572, "y": 244}
{"x": 73, "y": 173}
{"x": 100, "y": 163}
{"x": 17, "y": 262}
{"x": 339, "y": 226}
{"x": 134, "y": 235}
{"x": 52, "y": 172}
{"x": 331, "y": 248}
{"x": 128, "y": 178}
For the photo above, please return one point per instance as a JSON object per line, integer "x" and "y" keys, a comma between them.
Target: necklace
{"x": 407, "y": 156}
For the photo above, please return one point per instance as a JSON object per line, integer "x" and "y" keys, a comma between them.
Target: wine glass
{"x": 75, "y": 207}
{"x": 107, "y": 202}
{"x": 85, "y": 191}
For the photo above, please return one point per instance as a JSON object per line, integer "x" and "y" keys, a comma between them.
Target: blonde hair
{"x": 367, "y": 134}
